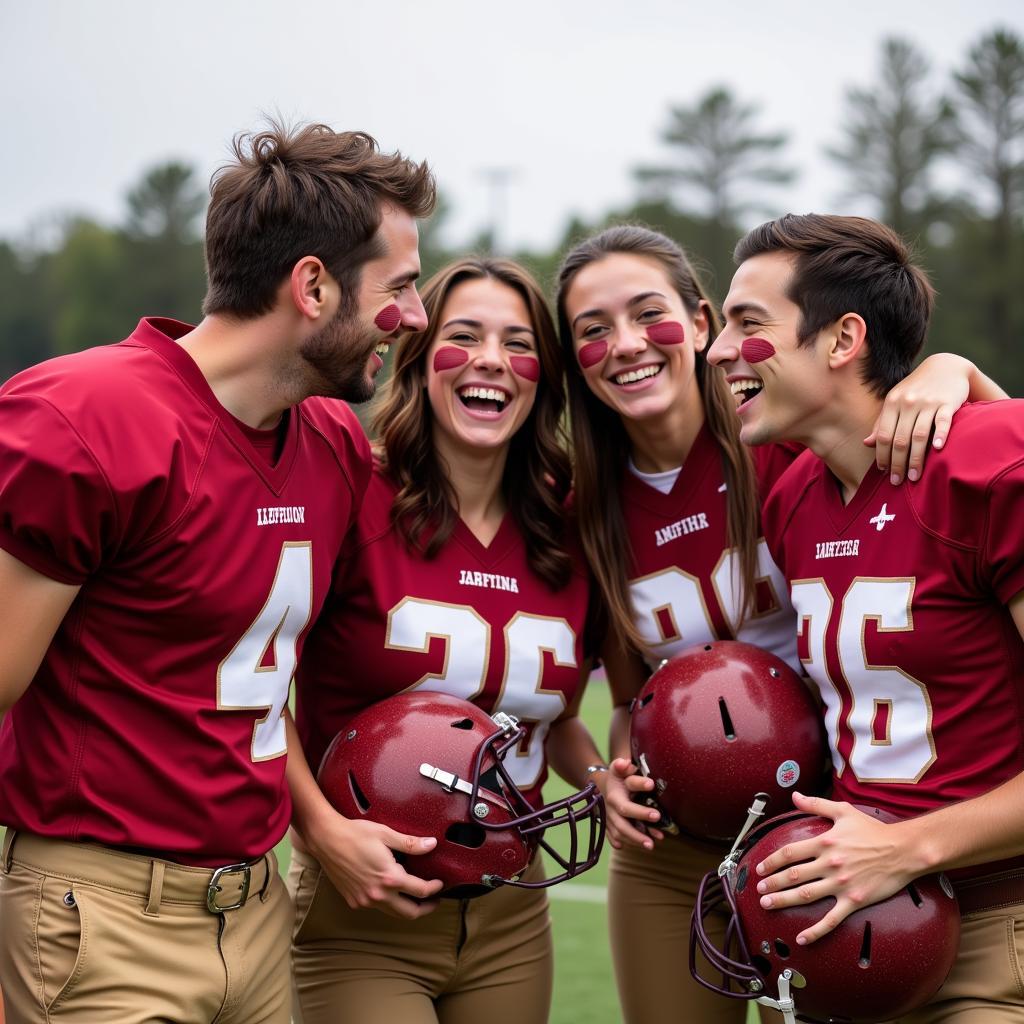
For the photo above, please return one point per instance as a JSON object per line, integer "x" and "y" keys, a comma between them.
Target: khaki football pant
{"x": 986, "y": 985}
{"x": 651, "y": 895}
{"x": 650, "y": 900}
{"x": 90, "y": 935}
{"x": 481, "y": 961}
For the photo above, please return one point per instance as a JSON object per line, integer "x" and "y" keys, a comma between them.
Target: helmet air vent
{"x": 727, "y": 726}
{"x": 463, "y": 723}
{"x": 782, "y": 949}
{"x": 464, "y": 833}
{"x": 357, "y": 794}
{"x": 865, "y": 947}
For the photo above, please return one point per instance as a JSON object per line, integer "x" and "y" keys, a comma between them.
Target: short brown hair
{"x": 537, "y": 473}
{"x": 853, "y": 265}
{"x": 294, "y": 192}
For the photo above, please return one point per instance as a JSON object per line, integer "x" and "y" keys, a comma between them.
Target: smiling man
{"x": 172, "y": 508}
{"x": 909, "y": 598}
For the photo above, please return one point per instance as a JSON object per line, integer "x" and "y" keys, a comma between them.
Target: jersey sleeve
{"x": 58, "y": 514}
{"x": 1001, "y": 555}
{"x": 970, "y": 493}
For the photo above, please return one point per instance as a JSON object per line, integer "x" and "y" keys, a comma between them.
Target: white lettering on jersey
{"x": 488, "y": 580}
{"x": 690, "y": 524}
{"x": 838, "y": 548}
{"x": 280, "y": 514}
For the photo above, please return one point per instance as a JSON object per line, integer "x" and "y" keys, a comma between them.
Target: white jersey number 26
{"x": 887, "y": 711}
{"x": 414, "y": 622}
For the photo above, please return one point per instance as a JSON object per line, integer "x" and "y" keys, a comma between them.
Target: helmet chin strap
{"x": 784, "y": 1004}
{"x": 754, "y": 811}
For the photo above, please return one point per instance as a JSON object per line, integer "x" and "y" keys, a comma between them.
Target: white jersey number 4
{"x": 258, "y": 671}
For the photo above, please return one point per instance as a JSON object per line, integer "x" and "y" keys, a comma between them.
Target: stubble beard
{"x": 336, "y": 357}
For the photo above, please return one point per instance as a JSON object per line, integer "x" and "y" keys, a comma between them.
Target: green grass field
{"x": 584, "y": 981}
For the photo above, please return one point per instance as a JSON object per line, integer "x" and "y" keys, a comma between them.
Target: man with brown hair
{"x": 910, "y": 598}
{"x": 172, "y": 507}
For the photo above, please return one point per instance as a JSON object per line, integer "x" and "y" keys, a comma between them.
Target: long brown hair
{"x": 537, "y": 473}
{"x": 601, "y": 445}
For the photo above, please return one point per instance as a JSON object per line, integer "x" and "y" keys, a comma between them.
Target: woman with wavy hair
{"x": 669, "y": 504}
{"x": 462, "y": 546}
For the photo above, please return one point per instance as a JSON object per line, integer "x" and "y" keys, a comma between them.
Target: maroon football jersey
{"x": 684, "y": 579}
{"x": 901, "y": 596}
{"x": 155, "y": 720}
{"x": 473, "y": 621}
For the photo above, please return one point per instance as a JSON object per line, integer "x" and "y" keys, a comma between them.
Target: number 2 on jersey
{"x": 413, "y": 623}
{"x": 258, "y": 671}
{"x": 672, "y": 614}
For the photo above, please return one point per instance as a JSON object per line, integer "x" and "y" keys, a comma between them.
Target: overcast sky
{"x": 568, "y": 95}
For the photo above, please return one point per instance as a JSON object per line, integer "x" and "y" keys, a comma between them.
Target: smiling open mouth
{"x": 745, "y": 390}
{"x": 632, "y": 376}
{"x": 483, "y": 399}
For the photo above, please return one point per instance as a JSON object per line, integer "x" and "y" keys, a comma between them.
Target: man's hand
{"x": 859, "y": 861}
{"x": 358, "y": 860}
{"x": 618, "y": 785}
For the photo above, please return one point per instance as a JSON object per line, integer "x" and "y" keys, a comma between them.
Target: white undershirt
{"x": 663, "y": 481}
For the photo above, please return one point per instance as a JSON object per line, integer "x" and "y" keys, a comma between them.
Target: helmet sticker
{"x": 787, "y": 774}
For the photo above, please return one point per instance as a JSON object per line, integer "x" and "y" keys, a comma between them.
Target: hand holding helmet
{"x": 632, "y": 820}
{"x": 881, "y": 962}
{"x": 431, "y": 764}
{"x": 718, "y": 723}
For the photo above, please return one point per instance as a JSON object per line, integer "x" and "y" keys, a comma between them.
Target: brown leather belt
{"x": 150, "y": 878}
{"x": 990, "y": 892}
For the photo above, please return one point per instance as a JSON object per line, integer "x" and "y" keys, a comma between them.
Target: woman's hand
{"x": 628, "y": 823}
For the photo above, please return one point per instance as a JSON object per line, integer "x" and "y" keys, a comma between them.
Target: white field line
{"x": 578, "y": 892}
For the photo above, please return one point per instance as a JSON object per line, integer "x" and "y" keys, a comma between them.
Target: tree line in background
{"x": 896, "y": 142}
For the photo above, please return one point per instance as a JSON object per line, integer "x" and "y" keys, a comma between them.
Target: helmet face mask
{"x": 880, "y": 963}
{"x": 430, "y": 764}
{"x": 719, "y": 722}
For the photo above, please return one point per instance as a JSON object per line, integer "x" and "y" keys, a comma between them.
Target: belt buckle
{"x": 214, "y": 887}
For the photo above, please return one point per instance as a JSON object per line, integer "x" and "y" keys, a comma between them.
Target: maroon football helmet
{"x": 429, "y": 764}
{"x": 718, "y": 723}
{"x": 881, "y": 962}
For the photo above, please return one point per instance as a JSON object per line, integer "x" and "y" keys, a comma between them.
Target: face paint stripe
{"x": 592, "y": 353}
{"x": 667, "y": 332}
{"x": 756, "y": 350}
{"x": 526, "y": 367}
{"x": 388, "y": 318}
{"x": 449, "y": 358}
